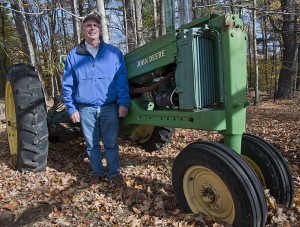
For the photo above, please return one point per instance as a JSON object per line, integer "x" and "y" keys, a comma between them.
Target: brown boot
{"x": 118, "y": 180}
{"x": 95, "y": 179}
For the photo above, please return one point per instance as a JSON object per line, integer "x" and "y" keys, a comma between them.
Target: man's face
{"x": 91, "y": 29}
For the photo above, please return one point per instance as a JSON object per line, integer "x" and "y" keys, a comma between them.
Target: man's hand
{"x": 123, "y": 111}
{"x": 75, "y": 117}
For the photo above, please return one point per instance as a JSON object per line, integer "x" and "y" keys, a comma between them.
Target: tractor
{"x": 193, "y": 77}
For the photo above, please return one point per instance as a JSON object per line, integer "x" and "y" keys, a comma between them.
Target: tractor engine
{"x": 194, "y": 80}
{"x": 158, "y": 86}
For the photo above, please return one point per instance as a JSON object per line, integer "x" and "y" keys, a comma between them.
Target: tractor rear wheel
{"x": 26, "y": 118}
{"x": 271, "y": 168}
{"x": 213, "y": 179}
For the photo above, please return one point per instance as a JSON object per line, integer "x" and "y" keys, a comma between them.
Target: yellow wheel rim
{"x": 206, "y": 192}
{"x": 11, "y": 120}
{"x": 257, "y": 170}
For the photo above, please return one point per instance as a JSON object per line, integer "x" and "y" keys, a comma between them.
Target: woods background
{"x": 39, "y": 32}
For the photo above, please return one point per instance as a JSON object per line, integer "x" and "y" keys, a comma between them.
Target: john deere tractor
{"x": 193, "y": 77}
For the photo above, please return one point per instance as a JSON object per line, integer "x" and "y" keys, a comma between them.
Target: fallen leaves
{"x": 62, "y": 196}
{"x": 12, "y": 205}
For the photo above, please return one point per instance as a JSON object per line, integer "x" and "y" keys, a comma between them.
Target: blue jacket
{"x": 95, "y": 81}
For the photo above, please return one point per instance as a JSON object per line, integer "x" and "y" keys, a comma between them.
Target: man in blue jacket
{"x": 96, "y": 94}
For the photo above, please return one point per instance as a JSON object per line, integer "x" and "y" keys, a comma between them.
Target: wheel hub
{"x": 205, "y": 192}
{"x": 209, "y": 196}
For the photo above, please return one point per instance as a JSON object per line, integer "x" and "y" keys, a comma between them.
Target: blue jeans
{"x": 102, "y": 122}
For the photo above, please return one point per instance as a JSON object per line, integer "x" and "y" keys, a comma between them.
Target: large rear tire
{"x": 271, "y": 168}
{"x": 213, "y": 179}
{"x": 26, "y": 118}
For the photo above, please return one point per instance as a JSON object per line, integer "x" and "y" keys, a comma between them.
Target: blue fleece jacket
{"x": 95, "y": 81}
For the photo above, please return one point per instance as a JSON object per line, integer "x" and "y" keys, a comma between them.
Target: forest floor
{"x": 62, "y": 196}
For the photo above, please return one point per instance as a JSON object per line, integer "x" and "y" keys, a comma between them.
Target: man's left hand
{"x": 123, "y": 111}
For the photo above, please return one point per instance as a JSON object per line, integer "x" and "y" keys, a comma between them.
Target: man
{"x": 96, "y": 94}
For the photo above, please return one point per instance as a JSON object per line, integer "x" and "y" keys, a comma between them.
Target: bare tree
{"x": 185, "y": 11}
{"x": 129, "y": 25}
{"x": 101, "y": 10}
{"x": 139, "y": 22}
{"x": 162, "y": 22}
{"x": 289, "y": 48}
{"x": 80, "y": 5}
{"x": 23, "y": 32}
{"x": 256, "y": 100}
{"x": 265, "y": 49}
{"x": 3, "y": 59}
{"x": 298, "y": 71}
{"x": 62, "y": 28}
{"x": 3, "y": 40}
{"x": 29, "y": 23}
{"x": 155, "y": 19}
{"x": 75, "y": 22}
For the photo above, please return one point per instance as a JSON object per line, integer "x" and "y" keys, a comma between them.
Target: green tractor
{"x": 193, "y": 77}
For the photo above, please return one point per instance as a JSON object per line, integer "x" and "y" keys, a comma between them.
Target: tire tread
{"x": 31, "y": 116}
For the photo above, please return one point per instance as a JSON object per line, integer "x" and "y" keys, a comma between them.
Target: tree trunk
{"x": 63, "y": 28}
{"x": 194, "y": 10}
{"x": 3, "y": 59}
{"x": 289, "y": 50}
{"x": 27, "y": 43}
{"x": 185, "y": 11}
{"x": 130, "y": 35}
{"x": 33, "y": 41}
{"x": 232, "y": 10}
{"x": 298, "y": 71}
{"x": 156, "y": 31}
{"x": 75, "y": 22}
{"x": 139, "y": 22}
{"x": 29, "y": 53}
{"x": 273, "y": 72}
{"x": 169, "y": 6}
{"x": 101, "y": 10}
{"x": 162, "y": 22}
{"x": 43, "y": 36}
{"x": 256, "y": 100}
{"x": 265, "y": 52}
{"x": 80, "y": 11}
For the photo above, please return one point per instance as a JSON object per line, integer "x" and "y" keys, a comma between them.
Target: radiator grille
{"x": 197, "y": 77}
{"x": 203, "y": 70}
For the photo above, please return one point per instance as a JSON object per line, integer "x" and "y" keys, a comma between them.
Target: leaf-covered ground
{"x": 63, "y": 196}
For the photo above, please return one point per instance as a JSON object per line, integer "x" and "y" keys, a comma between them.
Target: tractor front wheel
{"x": 26, "y": 118}
{"x": 213, "y": 179}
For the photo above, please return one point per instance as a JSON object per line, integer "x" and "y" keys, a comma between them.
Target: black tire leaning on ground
{"x": 159, "y": 138}
{"x": 26, "y": 118}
